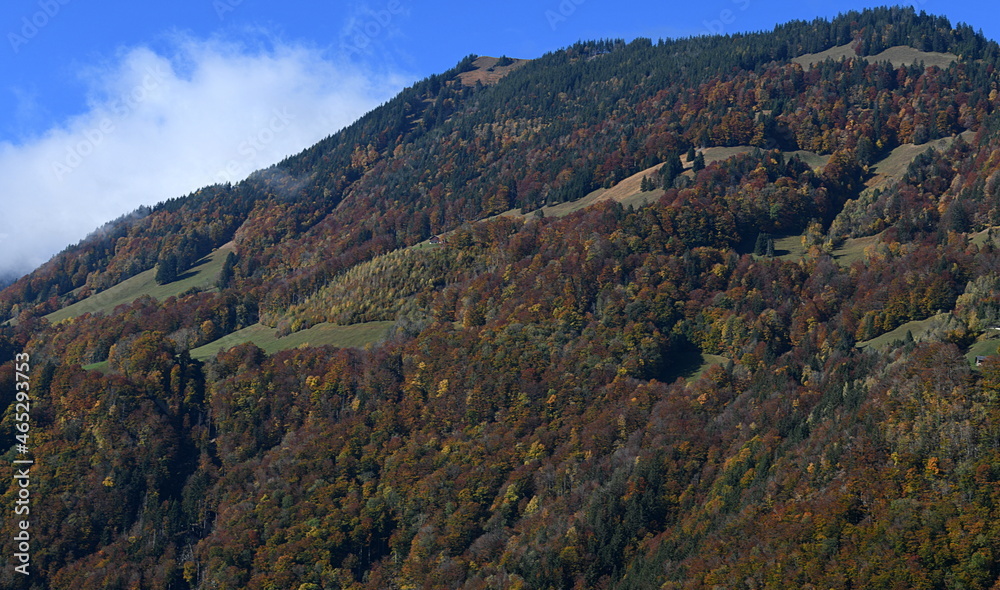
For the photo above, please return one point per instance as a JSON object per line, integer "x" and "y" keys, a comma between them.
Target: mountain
{"x": 695, "y": 313}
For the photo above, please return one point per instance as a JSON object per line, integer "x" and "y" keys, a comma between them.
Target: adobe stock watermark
{"x": 253, "y": 145}
{"x": 120, "y": 109}
{"x": 362, "y": 35}
{"x": 726, "y": 17}
{"x": 31, "y": 25}
{"x": 224, "y": 7}
{"x": 561, "y": 14}
{"x": 22, "y": 465}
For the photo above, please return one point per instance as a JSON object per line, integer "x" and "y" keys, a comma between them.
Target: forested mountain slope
{"x": 621, "y": 397}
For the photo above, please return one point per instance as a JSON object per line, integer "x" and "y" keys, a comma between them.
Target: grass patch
{"x": 560, "y": 210}
{"x": 708, "y": 361}
{"x": 834, "y": 53}
{"x": 639, "y": 199}
{"x": 628, "y": 191}
{"x": 894, "y": 166}
{"x": 811, "y": 159}
{"x": 353, "y": 336}
{"x": 101, "y": 366}
{"x": 564, "y": 209}
{"x": 981, "y": 238}
{"x": 487, "y": 70}
{"x": 898, "y": 56}
{"x": 425, "y": 245}
{"x": 987, "y": 346}
{"x": 917, "y": 328}
{"x": 202, "y": 276}
{"x": 789, "y": 248}
{"x": 903, "y": 55}
{"x": 717, "y": 154}
{"x": 688, "y": 362}
{"x": 853, "y": 249}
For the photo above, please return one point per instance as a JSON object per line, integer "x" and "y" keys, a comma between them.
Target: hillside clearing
{"x": 708, "y": 361}
{"x": 980, "y": 238}
{"x": 835, "y": 53}
{"x": 201, "y": 277}
{"x": 488, "y": 72}
{"x": 811, "y": 159}
{"x": 900, "y": 55}
{"x": 101, "y": 366}
{"x": 353, "y": 336}
{"x": 629, "y": 192}
{"x": 789, "y": 248}
{"x": 917, "y": 328}
{"x": 987, "y": 346}
{"x": 853, "y": 249}
{"x": 894, "y": 166}
{"x": 718, "y": 154}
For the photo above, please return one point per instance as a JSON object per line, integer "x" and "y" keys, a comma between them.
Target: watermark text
{"x": 363, "y": 34}
{"x": 22, "y": 465}
{"x": 31, "y": 25}
{"x": 561, "y": 14}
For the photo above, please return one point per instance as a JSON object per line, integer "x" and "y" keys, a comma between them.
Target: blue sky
{"x": 108, "y": 106}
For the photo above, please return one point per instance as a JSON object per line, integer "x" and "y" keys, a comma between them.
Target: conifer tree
{"x": 699, "y": 162}
{"x": 226, "y": 274}
{"x": 760, "y": 248}
{"x": 166, "y": 269}
{"x": 670, "y": 170}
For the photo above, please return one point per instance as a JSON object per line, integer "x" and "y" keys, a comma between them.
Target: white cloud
{"x": 159, "y": 125}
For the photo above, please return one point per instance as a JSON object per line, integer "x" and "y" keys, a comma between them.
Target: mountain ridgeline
{"x": 700, "y": 313}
